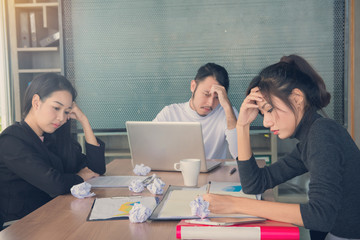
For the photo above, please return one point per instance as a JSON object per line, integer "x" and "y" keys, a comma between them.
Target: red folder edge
{"x": 178, "y": 231}
{"x": 272, "y": 233}
{"x": 269, "y": 230}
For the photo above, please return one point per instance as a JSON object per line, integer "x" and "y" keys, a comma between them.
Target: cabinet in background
{"x": 35, "y": 42}
{"x": 264, "y": 145}
{"x": 116, "y": 144}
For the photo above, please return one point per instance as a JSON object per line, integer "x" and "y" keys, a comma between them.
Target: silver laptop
{"x": 161, "y": 144}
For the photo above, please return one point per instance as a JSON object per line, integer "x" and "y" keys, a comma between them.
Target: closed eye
{"x": 267, "y": 107}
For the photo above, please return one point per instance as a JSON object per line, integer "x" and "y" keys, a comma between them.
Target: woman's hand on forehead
{"x": 256, "y": 94}
{"x": 255, "y": 89}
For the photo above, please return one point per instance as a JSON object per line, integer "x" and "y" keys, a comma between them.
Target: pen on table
{"x": 232, "y": 171}
{"x": 208, "y": 187}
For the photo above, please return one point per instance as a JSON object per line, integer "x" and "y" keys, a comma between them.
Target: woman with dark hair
{"x": 288, "y": 94}
{"x": 39, "y": 159}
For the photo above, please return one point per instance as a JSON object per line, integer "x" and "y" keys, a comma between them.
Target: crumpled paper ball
{"x": 139, "y": 213}
{"x": 156, "y": 187}
{"x": 82, "y": 190}
{"x": 141, "y": 170}
{"x": 136, "y": 185}
{"x": 149, "y": 180}
{"x": 200, "y": 207}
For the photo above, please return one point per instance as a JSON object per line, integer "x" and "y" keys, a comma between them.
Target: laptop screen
{"x": 161, "y": 144}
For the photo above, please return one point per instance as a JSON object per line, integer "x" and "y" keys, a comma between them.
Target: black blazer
{"x": 31, "y": 174}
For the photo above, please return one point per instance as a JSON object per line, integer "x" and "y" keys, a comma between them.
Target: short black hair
{"x": 218, "y": 72}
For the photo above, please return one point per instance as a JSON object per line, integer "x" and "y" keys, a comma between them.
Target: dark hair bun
{"x": 305, "y": 67}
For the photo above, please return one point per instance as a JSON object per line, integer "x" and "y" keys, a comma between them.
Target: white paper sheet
{"x": 177, "y": 204}
{"x": 113, "y": 181}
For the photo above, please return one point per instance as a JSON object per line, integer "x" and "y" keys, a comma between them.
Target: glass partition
{"x": 129, "y": 59}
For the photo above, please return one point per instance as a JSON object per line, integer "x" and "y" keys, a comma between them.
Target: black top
{"x": 329, "y": 154}
{"x": 31, "y": 174}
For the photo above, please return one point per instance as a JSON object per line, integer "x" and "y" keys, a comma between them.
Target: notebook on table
{"x": 263, "y": 230}
{"x": 161, "y": 144}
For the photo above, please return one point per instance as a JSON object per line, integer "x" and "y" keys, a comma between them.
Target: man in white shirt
{"x": 209, "y": 105}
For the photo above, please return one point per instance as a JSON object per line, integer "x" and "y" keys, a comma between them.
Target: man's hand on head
{"x": 220, "y": 91}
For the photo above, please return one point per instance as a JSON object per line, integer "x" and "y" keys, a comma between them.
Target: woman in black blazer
{"x": 39, "y": 159}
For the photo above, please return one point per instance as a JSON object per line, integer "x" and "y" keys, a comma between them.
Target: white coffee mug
{"x": 190, "y": 169}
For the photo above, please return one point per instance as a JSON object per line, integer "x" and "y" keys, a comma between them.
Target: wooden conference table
{"x": 65, "y": 216}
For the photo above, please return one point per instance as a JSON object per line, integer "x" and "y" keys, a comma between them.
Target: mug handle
{"x": 177, "y": 166}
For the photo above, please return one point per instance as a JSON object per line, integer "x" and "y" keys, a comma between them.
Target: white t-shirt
{"x": 217, "y": 138}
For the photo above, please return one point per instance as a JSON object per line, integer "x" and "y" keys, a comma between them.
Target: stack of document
{"x": 176, "y": 202}
{"x": 118, "y": 207}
